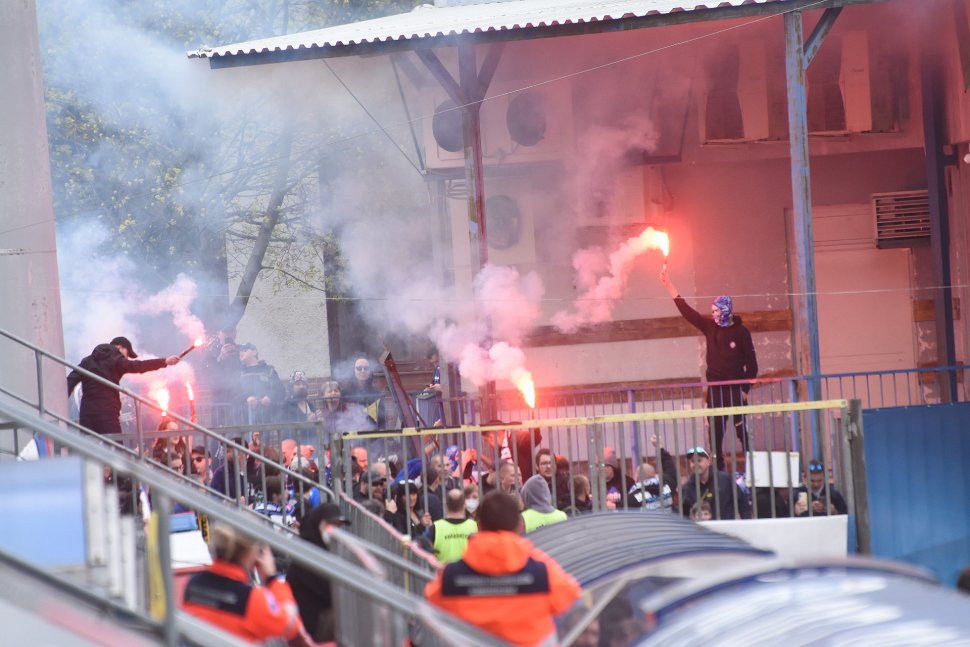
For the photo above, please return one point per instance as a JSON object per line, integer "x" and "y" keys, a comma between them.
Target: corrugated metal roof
{"x": 428, "y": 22}
{"x": 592, "y": 546}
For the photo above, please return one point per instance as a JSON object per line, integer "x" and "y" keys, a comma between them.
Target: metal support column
{"x": 468, "y": 93}
{"x": 934, "y": 133}
{"x": 807, "y": 315}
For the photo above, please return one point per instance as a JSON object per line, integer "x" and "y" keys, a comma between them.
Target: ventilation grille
{"x": 902, "y": 219}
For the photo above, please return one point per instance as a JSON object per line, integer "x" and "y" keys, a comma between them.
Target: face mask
{"x": 471, "y": 505}
{"x": 725, "y": 306}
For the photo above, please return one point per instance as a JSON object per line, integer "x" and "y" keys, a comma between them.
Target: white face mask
{"x": 471, "y": 505}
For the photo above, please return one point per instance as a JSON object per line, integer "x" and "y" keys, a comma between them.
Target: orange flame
{"x": 198, "y": 342}
{"x": 522, "y": 379}
{"x": 162, "y": 395}
{"x": 188, "y": 387}
{"x": 660, "y": 240}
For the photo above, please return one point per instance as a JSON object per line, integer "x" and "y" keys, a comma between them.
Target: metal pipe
{"x": 163, "y": 508}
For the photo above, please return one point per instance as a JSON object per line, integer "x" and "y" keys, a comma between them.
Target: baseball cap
{"x": 698, "y": 450}
{"x": 247, "y": 345}
{"x": 124, "y": 343}
{"x": 372, "y": 476}
{"x": 331, "y": 512}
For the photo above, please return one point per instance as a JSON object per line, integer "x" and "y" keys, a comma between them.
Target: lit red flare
{"x": 188, "y": 387}
{"x": 198, "y": 342}
{"x": 163, "y": 396}
{"x": 522, "y": 379}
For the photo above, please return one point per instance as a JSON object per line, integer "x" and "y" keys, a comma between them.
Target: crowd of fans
{"x": 474, "y": 514}
{"x": 246, "y": 390}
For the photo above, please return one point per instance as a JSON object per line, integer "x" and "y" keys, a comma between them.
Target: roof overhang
{"x": 431, "y": 28}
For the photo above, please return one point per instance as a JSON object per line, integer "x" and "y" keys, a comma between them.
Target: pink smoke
{"x": 511, "y": 302}
{"x": 177, "y": 300}
{"x": 596, "y": 303}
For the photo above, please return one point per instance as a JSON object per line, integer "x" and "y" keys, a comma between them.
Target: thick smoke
{"x": 596, "y": 303}
{"x": 510, "y": 303}
{"x": 177, "y": 300}
{"x": 103, "y": 298}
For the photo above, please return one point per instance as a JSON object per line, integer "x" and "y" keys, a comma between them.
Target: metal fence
{"x": 769, "y": 473}
{"x": 413, "y": 569}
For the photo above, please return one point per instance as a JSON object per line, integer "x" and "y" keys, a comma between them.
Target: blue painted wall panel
{"x": 918, "y": 477}
{"x": 42, "y": 511}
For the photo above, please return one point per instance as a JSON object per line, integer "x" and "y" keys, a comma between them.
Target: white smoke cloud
{"x": 595, "y": 305}
{"x": 177, "y": 300}
{"x": 511, "y": 302}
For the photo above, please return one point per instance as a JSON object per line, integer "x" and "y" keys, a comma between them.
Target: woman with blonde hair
{"x": 226, "y": 596}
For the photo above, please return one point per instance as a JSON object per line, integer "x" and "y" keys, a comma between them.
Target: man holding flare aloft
{"x": 730, "y": 356}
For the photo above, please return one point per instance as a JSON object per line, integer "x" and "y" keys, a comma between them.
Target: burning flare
{"x": 660, "y": 240}
{"x": 188, "y": 387}
{"x": 201, "y": 340}
{"x": 162, "y": 396}
{"x": 523, "y": 382}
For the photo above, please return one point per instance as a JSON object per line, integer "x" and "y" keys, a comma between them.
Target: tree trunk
{"x": 255, "y": 264}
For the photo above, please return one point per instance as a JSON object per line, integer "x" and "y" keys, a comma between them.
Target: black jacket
{"x": 730, "y": 351}
{"x": 311, "y": 591}
{"x": 259, "y": 381}
{"x": 837, "y": 500}
{"x": 365, "y": 396}
{"x": 727, "y": 489}
{"x": 98, "y": 400}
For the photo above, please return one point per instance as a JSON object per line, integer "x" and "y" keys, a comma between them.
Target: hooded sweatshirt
{"x": 519, "y": 610}
{"x": 538, "y": 502}
{"x": 730, "y": 351}
{"x": 100, "y": 401}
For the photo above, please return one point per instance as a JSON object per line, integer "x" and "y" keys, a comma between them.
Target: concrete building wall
{"x": 289, "y": 329}
{"x": 29, "y": 288}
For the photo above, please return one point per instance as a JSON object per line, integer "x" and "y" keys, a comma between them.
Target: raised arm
{"x": 691, "y": 315}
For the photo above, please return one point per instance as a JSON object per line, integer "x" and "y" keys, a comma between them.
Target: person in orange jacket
{"x": 225, "y": 596}
{"x": 502, "y": 584}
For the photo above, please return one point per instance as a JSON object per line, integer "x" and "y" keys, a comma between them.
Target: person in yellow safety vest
{"x": 449, "y": 536}
{"x": 537, "y": 500}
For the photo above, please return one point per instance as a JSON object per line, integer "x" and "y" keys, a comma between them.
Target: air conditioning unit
{"x": 633, "y": 195}
{"x": 509, "y": 220}
{"x": 518, "y": 126}
{"x": 733, "y": 107}
{"x": 902, "y": 219}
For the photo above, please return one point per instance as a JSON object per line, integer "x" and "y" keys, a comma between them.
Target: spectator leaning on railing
{"x": 502, "y": 584}
{"x": 260, "y": 388}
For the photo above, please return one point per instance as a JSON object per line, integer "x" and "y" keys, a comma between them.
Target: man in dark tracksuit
{"x": 730, "y": 356}
{"x": 100, "y": 404}
{"x": 716, "y": 487}
{"x": 260, "y": 388}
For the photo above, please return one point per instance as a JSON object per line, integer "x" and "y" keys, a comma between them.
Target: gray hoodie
{"x": 535, "y": 495}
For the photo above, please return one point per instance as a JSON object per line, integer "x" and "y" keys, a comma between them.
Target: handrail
{"x": 752, "y": 382}
{"x": 608, "y": 419}
{"x": 312, "y": 557}
{"x": 171, "y": 414}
